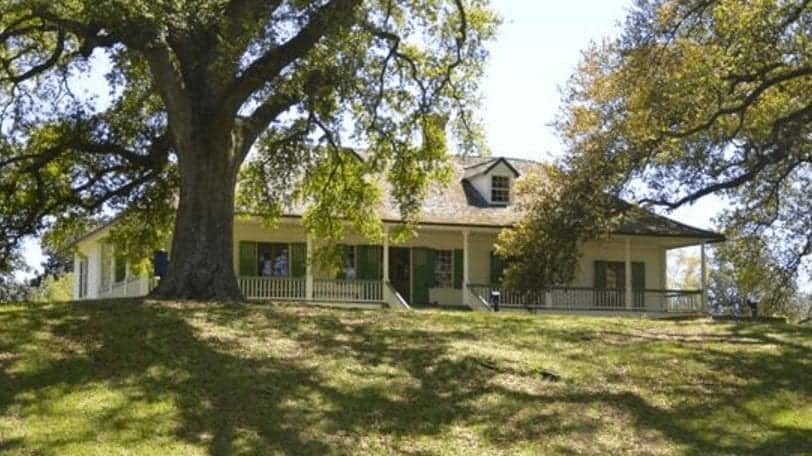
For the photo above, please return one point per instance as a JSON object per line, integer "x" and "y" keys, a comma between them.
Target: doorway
{"x": 400, "y": 271}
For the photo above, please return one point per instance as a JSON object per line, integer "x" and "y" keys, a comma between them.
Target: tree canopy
{"x": 203, "y": 94}
{"x": 698, "y": 98}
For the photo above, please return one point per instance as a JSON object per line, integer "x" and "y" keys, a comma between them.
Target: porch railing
{"x": 129, "y": 288}
{"x": 272, "y": 287}
{"x": 348, "y": 290}
{"x": 582, "y": 298}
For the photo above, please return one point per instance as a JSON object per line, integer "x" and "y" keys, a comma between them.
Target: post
{"x": 77, "y": 275}
{"x": 309, "y": 269}
{"x": 385, "y": 255}
{"x": 465, "y": 267}
{"x": 465, "y": 255}
{"x": 628, "y": 274}
{"x": 702, "y": 278}
{"x": 112, "y": 268}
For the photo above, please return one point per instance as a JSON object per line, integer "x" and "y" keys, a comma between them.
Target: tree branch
{"x": 334, "y": 14}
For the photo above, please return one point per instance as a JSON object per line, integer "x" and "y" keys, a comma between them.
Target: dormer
{"x": 493, "y": 179}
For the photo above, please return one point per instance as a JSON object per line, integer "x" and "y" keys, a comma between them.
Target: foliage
{"x": 146, "y": 378}
{"x": 198, "y": 88}
{"x": 53, "y": 289}
{"x": 684, "y": 273}
{"x": 743, "y": 268}
{"x": 697, "y": 98}
{"x": 559, "y": 216}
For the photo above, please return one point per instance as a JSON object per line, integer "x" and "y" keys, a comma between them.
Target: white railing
{"x": 130, "y": 288}
{"x": 348, "y": 290}
{"x": 394, "y": 299}
{"x": 272, "y": 287}
{"x": 580, "y": 298}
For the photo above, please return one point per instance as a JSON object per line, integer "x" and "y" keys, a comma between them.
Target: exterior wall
{"x": 642, "y": 250}
{"x": 91, "y": 249}
{"x": 480, "y": 244}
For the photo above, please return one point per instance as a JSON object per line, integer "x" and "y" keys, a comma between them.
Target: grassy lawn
{"x": 145, "y": 378}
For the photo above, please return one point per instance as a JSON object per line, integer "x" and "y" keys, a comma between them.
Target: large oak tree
{"x": 205, "y": 94}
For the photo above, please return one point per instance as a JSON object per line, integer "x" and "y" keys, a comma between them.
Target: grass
{"x": 136, "y": 377}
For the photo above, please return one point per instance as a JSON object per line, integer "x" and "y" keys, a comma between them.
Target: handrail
{"x": 397, "y": 296}
{"x": 586, "y": 298}
{"x": 348, "y": 290}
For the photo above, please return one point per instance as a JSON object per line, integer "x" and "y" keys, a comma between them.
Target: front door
{"x": 423, "y": 278}
{"x": 399, "y": 271}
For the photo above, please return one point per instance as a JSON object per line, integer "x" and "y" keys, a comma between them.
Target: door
{"x": 399, "y": 272}
{"x": 423, "y": 274}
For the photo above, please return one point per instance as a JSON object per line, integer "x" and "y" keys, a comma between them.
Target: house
{"x": 449, "y": 263}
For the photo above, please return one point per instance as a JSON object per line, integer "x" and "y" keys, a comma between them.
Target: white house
{"x": 449, "y": 263}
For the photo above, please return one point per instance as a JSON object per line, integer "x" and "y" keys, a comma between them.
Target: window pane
{"x": 348, "y": 268}
{"x": 443, "y": 269}
{"x": 500, "y": 189}
{"x": 121, "y": 270}
{"x": 273, "y": 260}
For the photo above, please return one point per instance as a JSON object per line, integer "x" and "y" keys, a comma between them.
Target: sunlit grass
{"x": 184, "y": 378}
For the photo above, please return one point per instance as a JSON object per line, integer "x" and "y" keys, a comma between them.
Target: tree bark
{"x": 201, "y": 259}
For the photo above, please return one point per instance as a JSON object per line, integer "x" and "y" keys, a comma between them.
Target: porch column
{"x": 385, "y": 255}
{"x": 465, "y": 257}
{"x": 628, "y": 274}
{"x": 309, "y": 270}
{"x": 702, "y": 278}
{"x": 112, "y": 267}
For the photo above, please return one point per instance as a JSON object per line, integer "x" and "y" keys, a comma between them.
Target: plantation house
{"x": 449, "y": 263}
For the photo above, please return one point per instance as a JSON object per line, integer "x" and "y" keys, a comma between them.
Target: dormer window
{"x": 500, "y": 189}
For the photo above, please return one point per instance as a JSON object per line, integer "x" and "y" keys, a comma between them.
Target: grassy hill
{"x": 145, "y": 378}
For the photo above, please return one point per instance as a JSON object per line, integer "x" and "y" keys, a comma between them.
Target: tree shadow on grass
{"x": 340, "y": 375}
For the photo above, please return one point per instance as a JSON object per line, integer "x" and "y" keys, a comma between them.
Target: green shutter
{"x": 497, "y": 268}
{"x": 248, "y": 258}
{"x": 422, "y": 274}
{"x": 343, "y": 250}
{"x": 458, "y": 259}
{"x": 298, "y": 260}
{"x": 600, "y": 275}
{"x": 369, "y": 262}
{"x": 638, "y": 276}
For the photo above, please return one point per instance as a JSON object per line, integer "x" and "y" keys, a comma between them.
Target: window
{"x": 443, "y": 269}
{"x": 615, "y": 275}
{"x": 348, "y": 270}
{"x": 120, "y": 270}
{"x": 273, "y": 260}
{"x": 82, "y": 278}
{"x": 500, "y": 189}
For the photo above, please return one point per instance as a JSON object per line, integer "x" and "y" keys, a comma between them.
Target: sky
{"x": 537, "y": 49}
{"x": 538, "y": 46}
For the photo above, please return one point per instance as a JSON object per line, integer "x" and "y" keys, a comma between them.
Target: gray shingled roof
{"x": 461, "y": 204}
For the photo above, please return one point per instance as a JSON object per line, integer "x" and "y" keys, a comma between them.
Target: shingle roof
{"x": 461, "y": 204}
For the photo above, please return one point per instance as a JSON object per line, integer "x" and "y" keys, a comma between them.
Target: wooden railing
{"x": 130, "y": 288}
{"x": 272, "y": 287}
{"x": 348, "y": 290}
{"x": 581, "y": 298}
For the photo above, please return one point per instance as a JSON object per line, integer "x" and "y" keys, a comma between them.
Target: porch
{"x": 444, "y": 266}
{"x": 455, "y": 267}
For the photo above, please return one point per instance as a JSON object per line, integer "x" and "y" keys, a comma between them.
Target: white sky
{"x": 538, "y": 47}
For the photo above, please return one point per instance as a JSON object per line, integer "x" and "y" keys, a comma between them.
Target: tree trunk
{"x": 201, "y": 259}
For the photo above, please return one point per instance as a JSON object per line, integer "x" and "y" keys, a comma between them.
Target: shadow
{"x": 301, "y": 380}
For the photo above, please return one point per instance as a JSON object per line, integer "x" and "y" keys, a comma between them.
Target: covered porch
{"x": 448, "y": 266}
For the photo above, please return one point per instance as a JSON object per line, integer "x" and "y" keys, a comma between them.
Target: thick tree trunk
{"x": 201, "y": 264}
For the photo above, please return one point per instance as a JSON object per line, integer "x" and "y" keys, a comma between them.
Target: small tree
{"x": 697, "y": 98}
